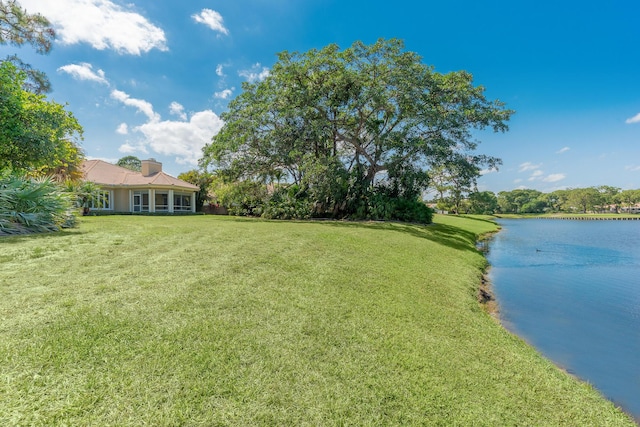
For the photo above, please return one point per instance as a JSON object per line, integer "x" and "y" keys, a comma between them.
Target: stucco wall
{"x": 121, "y": 198}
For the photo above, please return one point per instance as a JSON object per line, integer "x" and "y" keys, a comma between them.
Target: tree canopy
{"x": 204, "y": 180}
{"x": 37, "y": 136}
{"x": 130, "y": 162}
{"x": 34, "y": 133}
{"x": 17, "y": 27}
{"x": 354, "y": 128}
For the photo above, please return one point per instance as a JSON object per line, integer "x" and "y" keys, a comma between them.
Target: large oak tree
{"x": 369, "y": 116}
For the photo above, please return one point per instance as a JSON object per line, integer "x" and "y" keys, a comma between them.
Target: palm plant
{"x": 84, "y": 192}
{"x": 33, "y": 204}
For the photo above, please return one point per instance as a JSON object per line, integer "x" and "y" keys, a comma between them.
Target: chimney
{"x": 150, "y": 167}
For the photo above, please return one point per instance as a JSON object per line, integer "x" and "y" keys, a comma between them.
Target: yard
{"x": 202, "y": 320}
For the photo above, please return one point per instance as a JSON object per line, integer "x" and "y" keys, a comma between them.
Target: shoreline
{"x": 590, "y": 218}
{"x": 572, "y": 217}
{"x": 486, "y": 296}
{"x": 489, "y": 302}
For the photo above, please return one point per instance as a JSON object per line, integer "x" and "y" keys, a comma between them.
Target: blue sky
{"x": 150, "y": 78}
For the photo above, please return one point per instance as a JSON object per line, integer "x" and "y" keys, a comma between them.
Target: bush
{"x": 34, "y": 205}
{"x": 288, "y": 203}
{"x": 331, "y": 193}
{"x": 243, "y": 198}
{"x": 381, "y": 206}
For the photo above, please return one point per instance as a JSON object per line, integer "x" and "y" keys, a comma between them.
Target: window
{"x": 181, "y": 202}
{"x": 100, "y": 200}
{"x": 162, "y": 201}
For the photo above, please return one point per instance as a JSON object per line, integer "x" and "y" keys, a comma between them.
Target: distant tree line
{"x": 601, "y": 199}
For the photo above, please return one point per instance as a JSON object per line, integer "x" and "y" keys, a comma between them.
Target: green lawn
{"x": 203, "y": 320}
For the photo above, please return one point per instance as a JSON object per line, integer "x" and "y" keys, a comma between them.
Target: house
{"x": 631, "y": 209}
{"x": 150, "y": 190}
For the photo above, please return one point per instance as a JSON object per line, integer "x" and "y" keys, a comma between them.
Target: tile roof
{"x": 101, "y": 172}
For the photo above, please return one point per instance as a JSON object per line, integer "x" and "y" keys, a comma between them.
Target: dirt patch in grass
{"x": 487, "y": 298}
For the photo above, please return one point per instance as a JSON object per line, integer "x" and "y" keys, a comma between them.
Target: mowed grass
{"x": 209, "y": 321}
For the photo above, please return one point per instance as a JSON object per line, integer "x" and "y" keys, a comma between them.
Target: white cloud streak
{"x": 528, "y": 166}
{"x": 563, "y": 150}
{"x": 142, "y": 106}
{"x": 255, "y": 73}
{"x": 488, "y": 171}
{"x": 536, "y": 175}
{"x": 224, "y": 94}
{"x": 539, "y": 175}
{"x": 129, "y": 148}
{"x": 554, "y": 177}
{"x": 634, "y": 119}
{"x": 84, "y": 71}
{"x": 211, "y": 19}
{"x": 102, "y": 24}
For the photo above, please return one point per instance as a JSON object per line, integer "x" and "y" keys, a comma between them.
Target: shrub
{"x": 381, "y": 206}
{"x": 243, "y": 198}
{"x": 288, "y": 203}
{"x": 34, "y": 205}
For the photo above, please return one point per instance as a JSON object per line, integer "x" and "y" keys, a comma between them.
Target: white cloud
{"x": 211, "y": 19}
{"x": 182, "y": 139}
{"x": 255, "y": 73}
{"x": 84, "y": 71}
{"x": 224, "y": 94}
{"x": 129, "y": 148}
{"x": 563, "y": 150}
{"x": 632, "y": 168}
{"x": 101, "y": 23}
{"x": 554, "y": 177}
{"x": 634, "y": 119}
{"x": 536, "y": 175}
{"x": 528, "y": 166}
{"x": 123, "y": 129}
{"x": 517, "y": 181}
{"x": 488, "y": 171}
{"x": 219, "y": 70}
{"x": 177, "y": 110}
{"x": 143, "y": 106}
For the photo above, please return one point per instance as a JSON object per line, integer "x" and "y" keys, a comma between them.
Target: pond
{"x": 572, "y": 290}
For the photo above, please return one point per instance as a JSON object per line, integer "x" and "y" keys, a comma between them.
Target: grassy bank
{"x": 220, "y": 321}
